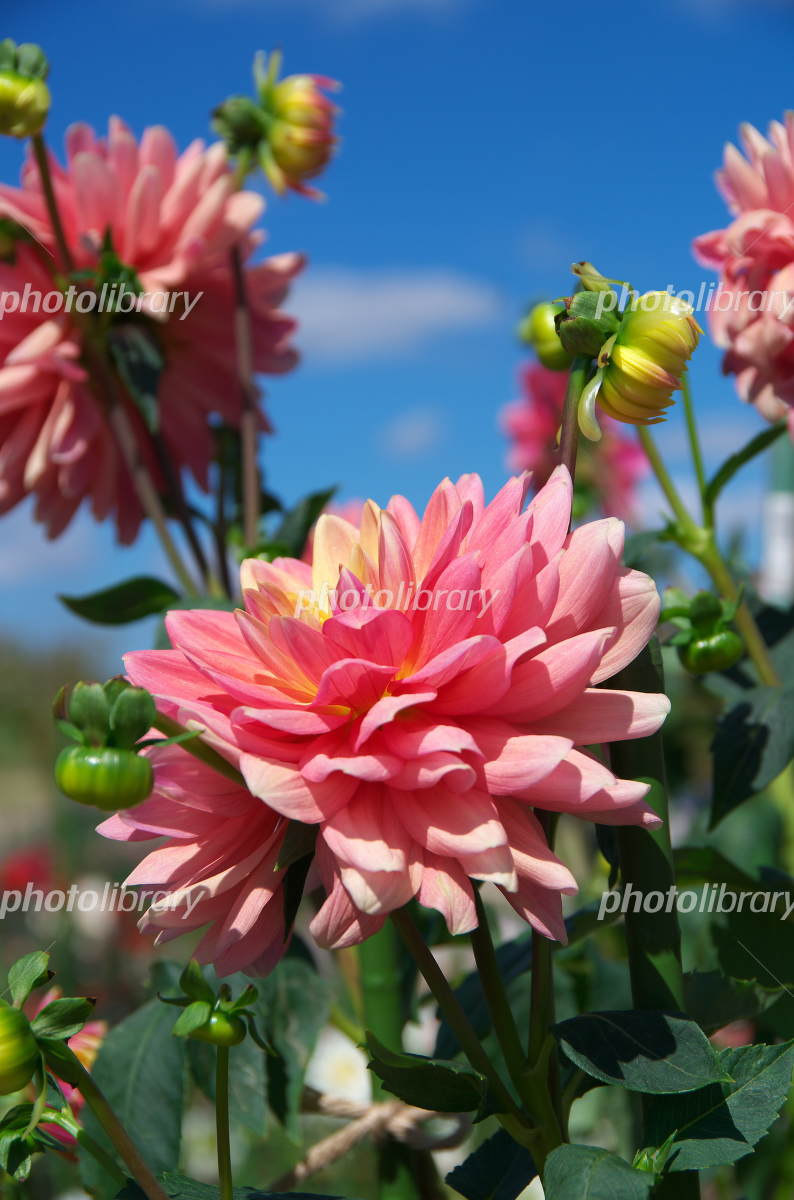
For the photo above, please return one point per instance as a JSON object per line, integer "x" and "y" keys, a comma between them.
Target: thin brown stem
{"x": 249, "y": 420}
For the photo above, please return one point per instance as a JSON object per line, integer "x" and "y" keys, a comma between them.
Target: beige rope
{"x": 389, "y": 1118}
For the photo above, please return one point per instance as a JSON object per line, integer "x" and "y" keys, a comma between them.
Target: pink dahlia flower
{"x": 218, "y": 866}
{"x": 173, "y": 218}
{"x": 418, "y": 693}
{"x": 85, "y": 1045}
{"x": 750, "y": 316}
{"x": 611, "y": 469}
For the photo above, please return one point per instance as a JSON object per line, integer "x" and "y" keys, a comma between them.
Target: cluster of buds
{"x": 704, "y": 638}
{"x": 107, "y": 721}
{"x": 24, "y": 95}
{"x": 217, "y": 1019}
{"x": 288, "y": 129}
{"x": 641, "y": 351}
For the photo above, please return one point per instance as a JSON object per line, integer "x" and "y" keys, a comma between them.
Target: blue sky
{"x": 487, "y": 144}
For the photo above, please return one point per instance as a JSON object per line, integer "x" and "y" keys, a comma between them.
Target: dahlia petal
{"x": 450, "y": 823}
{"x": 554, "y": 677}
{"x": 600, "y": 715}
{"x": 513, "y": 759}
{"x": 282, "y": 787}
{"x": 633, "y": 609}
{"x": 446, "y": 888}
{"x": 593, "y": 553}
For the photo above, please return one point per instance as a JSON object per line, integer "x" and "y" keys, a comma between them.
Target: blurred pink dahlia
{"x": 609, "y": 470}
{"x": 417, "y": 693}
{"x": 751, "y": 315}
{"x": 173, "y": 219}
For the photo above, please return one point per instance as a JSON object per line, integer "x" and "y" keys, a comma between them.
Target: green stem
{"x": 646, "y": 863}
{"x": 249, "y": 415}
{"x": 222, "y": 1123}
{"x": 496, "y": 997}
{"x": 569, "y": 434}
{"x": 381, "y": 980}
{"x": 744, "y": 620}
{"x": 697, "y": 453}
{"x": 199, "y": 749}
{"x": 453, "y": 1013}
{"x": 42, "y": 162}
{"x": 701, "y": 543}
{"x": 84, "y": 1139}
{"x": 531, "y": 1080}
{"x": 128, "y": 1151}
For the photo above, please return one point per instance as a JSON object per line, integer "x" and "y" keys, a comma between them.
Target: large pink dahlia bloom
{"x": 610, "y": 470}
{"x": 418, "y": 693}
{"x": 173, "y": 218}
{"x": 752, "y": 317}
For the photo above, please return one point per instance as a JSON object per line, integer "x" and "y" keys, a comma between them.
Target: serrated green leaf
{"x": 648, "y": 1052}
{"x": 426, "y": 1082}
{"x": 722, "y": 1123}
{"x": 136, "y": 598}
{"x": 27, "y": 973}
{"x": 589, "y": 1173}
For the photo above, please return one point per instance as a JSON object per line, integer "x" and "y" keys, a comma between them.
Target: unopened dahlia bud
{"x": 19, "y": 1054}
{"x": 539, "y": 331}
{"x": 643, "y": 364}
{"x": 288, "y": 129}
{"x": 24, "y": 96}
{"x": 300, "y": 139}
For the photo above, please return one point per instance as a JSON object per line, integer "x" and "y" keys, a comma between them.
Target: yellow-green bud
{"x": 24, "y": 96}
{"x": 538, "y": 330}
{"x": 643, "y": 363}
{"x": 19, "y": 1054}
{"x": 24, "y": 105}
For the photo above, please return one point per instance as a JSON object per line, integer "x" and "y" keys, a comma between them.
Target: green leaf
{"x": 648, "y": 1052}
{"x": 62, "y": 1018}
{"x": 731, "y": 465}
{"x": 713, "y": 1000}
{"x": 588, "y": 1173}
{"x": 290, "y": 1011}
{"x": 754, "y": 742}
{"x": 720, "y": 1124}
{"x": 295, "y": 525}
{"x": 191, "y": 1018}
{"x": 425, "y": 1082}
{"x": 756, "y": 946}
{"x": 27, "y": 973}
{"x": 179, "y": 1187}
{"x": 499, "y": 1169}
{"x": 141, "y": 596}
{"x": 140, "y": 1068}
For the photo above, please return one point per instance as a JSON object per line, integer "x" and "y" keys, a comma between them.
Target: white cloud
{"x": 411, "y": 434}
{"x": 354, "y": 316}
{"x": 27, "y": 556}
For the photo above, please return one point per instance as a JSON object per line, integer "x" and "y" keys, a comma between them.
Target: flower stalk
{"x": 225, "y": 1184}
{"x": 381, "y": 985}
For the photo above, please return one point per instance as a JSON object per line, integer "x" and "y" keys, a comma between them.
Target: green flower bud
{"x": 24, "y": 96}
{"x": 107, "y": 777}
{"x": 716, "y": 652}
{"x": 19, "y": 1054}
{"x": 588, "y": 320}
{"x": 538, "y": 329}
{"x": 222, "y": 1029}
